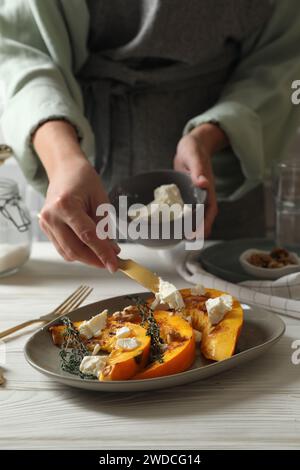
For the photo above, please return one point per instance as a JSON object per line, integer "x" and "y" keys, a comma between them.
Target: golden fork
{"x": 69, "y": 304}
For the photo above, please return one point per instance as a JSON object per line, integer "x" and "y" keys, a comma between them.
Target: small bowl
{"x": 267, "y": 273}
{"x": 140, "y": 188}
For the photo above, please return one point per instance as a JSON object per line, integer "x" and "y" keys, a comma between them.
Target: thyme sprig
{"x": 153, "y": 328}
{"x": 73, "y": 350}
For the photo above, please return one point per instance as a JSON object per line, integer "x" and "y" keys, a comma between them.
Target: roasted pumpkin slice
{"x": 179, "y": 339}
{"x": 105, "y": 339}
{"x": 123, "y": 364}
{"x": 218, "y": 341}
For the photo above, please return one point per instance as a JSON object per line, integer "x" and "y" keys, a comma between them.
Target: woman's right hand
{"x": 69, "y": 215}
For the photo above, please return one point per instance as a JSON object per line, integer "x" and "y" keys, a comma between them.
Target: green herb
{"x": 73, "y": 350}
{"x": 142, "y": 306}
{"x": 153, "y": 329}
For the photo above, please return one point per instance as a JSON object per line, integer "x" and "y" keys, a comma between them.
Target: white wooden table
{"x": 254, "y": 406}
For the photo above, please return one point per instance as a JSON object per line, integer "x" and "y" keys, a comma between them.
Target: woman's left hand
{"x": 194, "y": 153}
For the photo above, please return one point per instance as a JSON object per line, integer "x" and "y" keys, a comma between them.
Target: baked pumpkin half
{"x": 179, "y": 341}
{"x": 218, "y": 341}
{"x": 121, "y": 364}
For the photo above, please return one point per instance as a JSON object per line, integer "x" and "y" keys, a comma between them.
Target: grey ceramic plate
{"x": 222, "y": 259}
{"x": 261, "y": 329}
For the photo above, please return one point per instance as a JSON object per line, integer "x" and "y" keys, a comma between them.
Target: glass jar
{"x": 15, "y": 228}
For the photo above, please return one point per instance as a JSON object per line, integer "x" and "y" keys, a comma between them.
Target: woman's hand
{"x": 69, "y": 215}
{"x": 194, "y": 154}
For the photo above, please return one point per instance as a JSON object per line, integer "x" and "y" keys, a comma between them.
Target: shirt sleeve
{"x": 37, "y": 81}
{"x": 255, "y": 108}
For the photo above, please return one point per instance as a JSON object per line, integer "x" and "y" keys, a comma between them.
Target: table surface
{"x": 254, "y": 406}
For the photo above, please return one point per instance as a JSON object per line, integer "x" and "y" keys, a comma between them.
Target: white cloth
{"x": 280, "y": 296}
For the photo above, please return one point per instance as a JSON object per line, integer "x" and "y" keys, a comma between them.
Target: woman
{"x": 201, "y": 86}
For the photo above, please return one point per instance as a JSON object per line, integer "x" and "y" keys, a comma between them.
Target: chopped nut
{"x": 261, "y": 260}
{"x": 275, "y": 264}
{"x": 128, "y": 314}
{"x": 96, "y": 349}
{"x": 174, "y": 336}
{"x": 130, "y": 309}
{"x": 280, "y": 254}
{"x": 277, "y": 258}
{"x": 116, "y": 314}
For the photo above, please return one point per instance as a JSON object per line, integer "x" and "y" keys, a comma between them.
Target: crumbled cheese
{"x": 94, "y": 326}
{"x": 198, "y": 289}
{"x": 96, "y": 350}
{"x": 128, "y": 344}
{"x": 93, "y": 365}
{"x": 218, "y": 307}
{"x": 198, "y": 336}
{"x": 123, "y": 332}
{"x": 166, "y": 194}
{"x": 228, "y": 301}
{"x": 168, "y": 294}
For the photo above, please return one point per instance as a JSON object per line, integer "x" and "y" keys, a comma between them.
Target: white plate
{"x": 260, "y": 331}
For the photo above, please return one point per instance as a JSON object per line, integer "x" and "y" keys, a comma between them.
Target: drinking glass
{"x": 286, "y": 184}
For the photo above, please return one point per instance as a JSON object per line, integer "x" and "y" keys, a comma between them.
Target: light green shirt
{"x": 43, "y": 43}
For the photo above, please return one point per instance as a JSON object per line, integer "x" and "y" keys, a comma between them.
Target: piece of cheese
{"x": 123, "y": 332}
{"x": 168, "y": 294}
{"x": 164, "y": 195}
{"x": 94, "y": 326}
{"x": 127, "y": 344}
{"x": 168, "y": 194}
{"x": 93, "y": 365}
{"x": 218, "y": 307}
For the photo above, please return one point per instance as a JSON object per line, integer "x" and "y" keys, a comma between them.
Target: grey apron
{"x": 138, "y": 114}
{"x": 139, "y": 117}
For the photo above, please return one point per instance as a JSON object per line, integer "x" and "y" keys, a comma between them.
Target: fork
{"x": 70, "y": 303}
